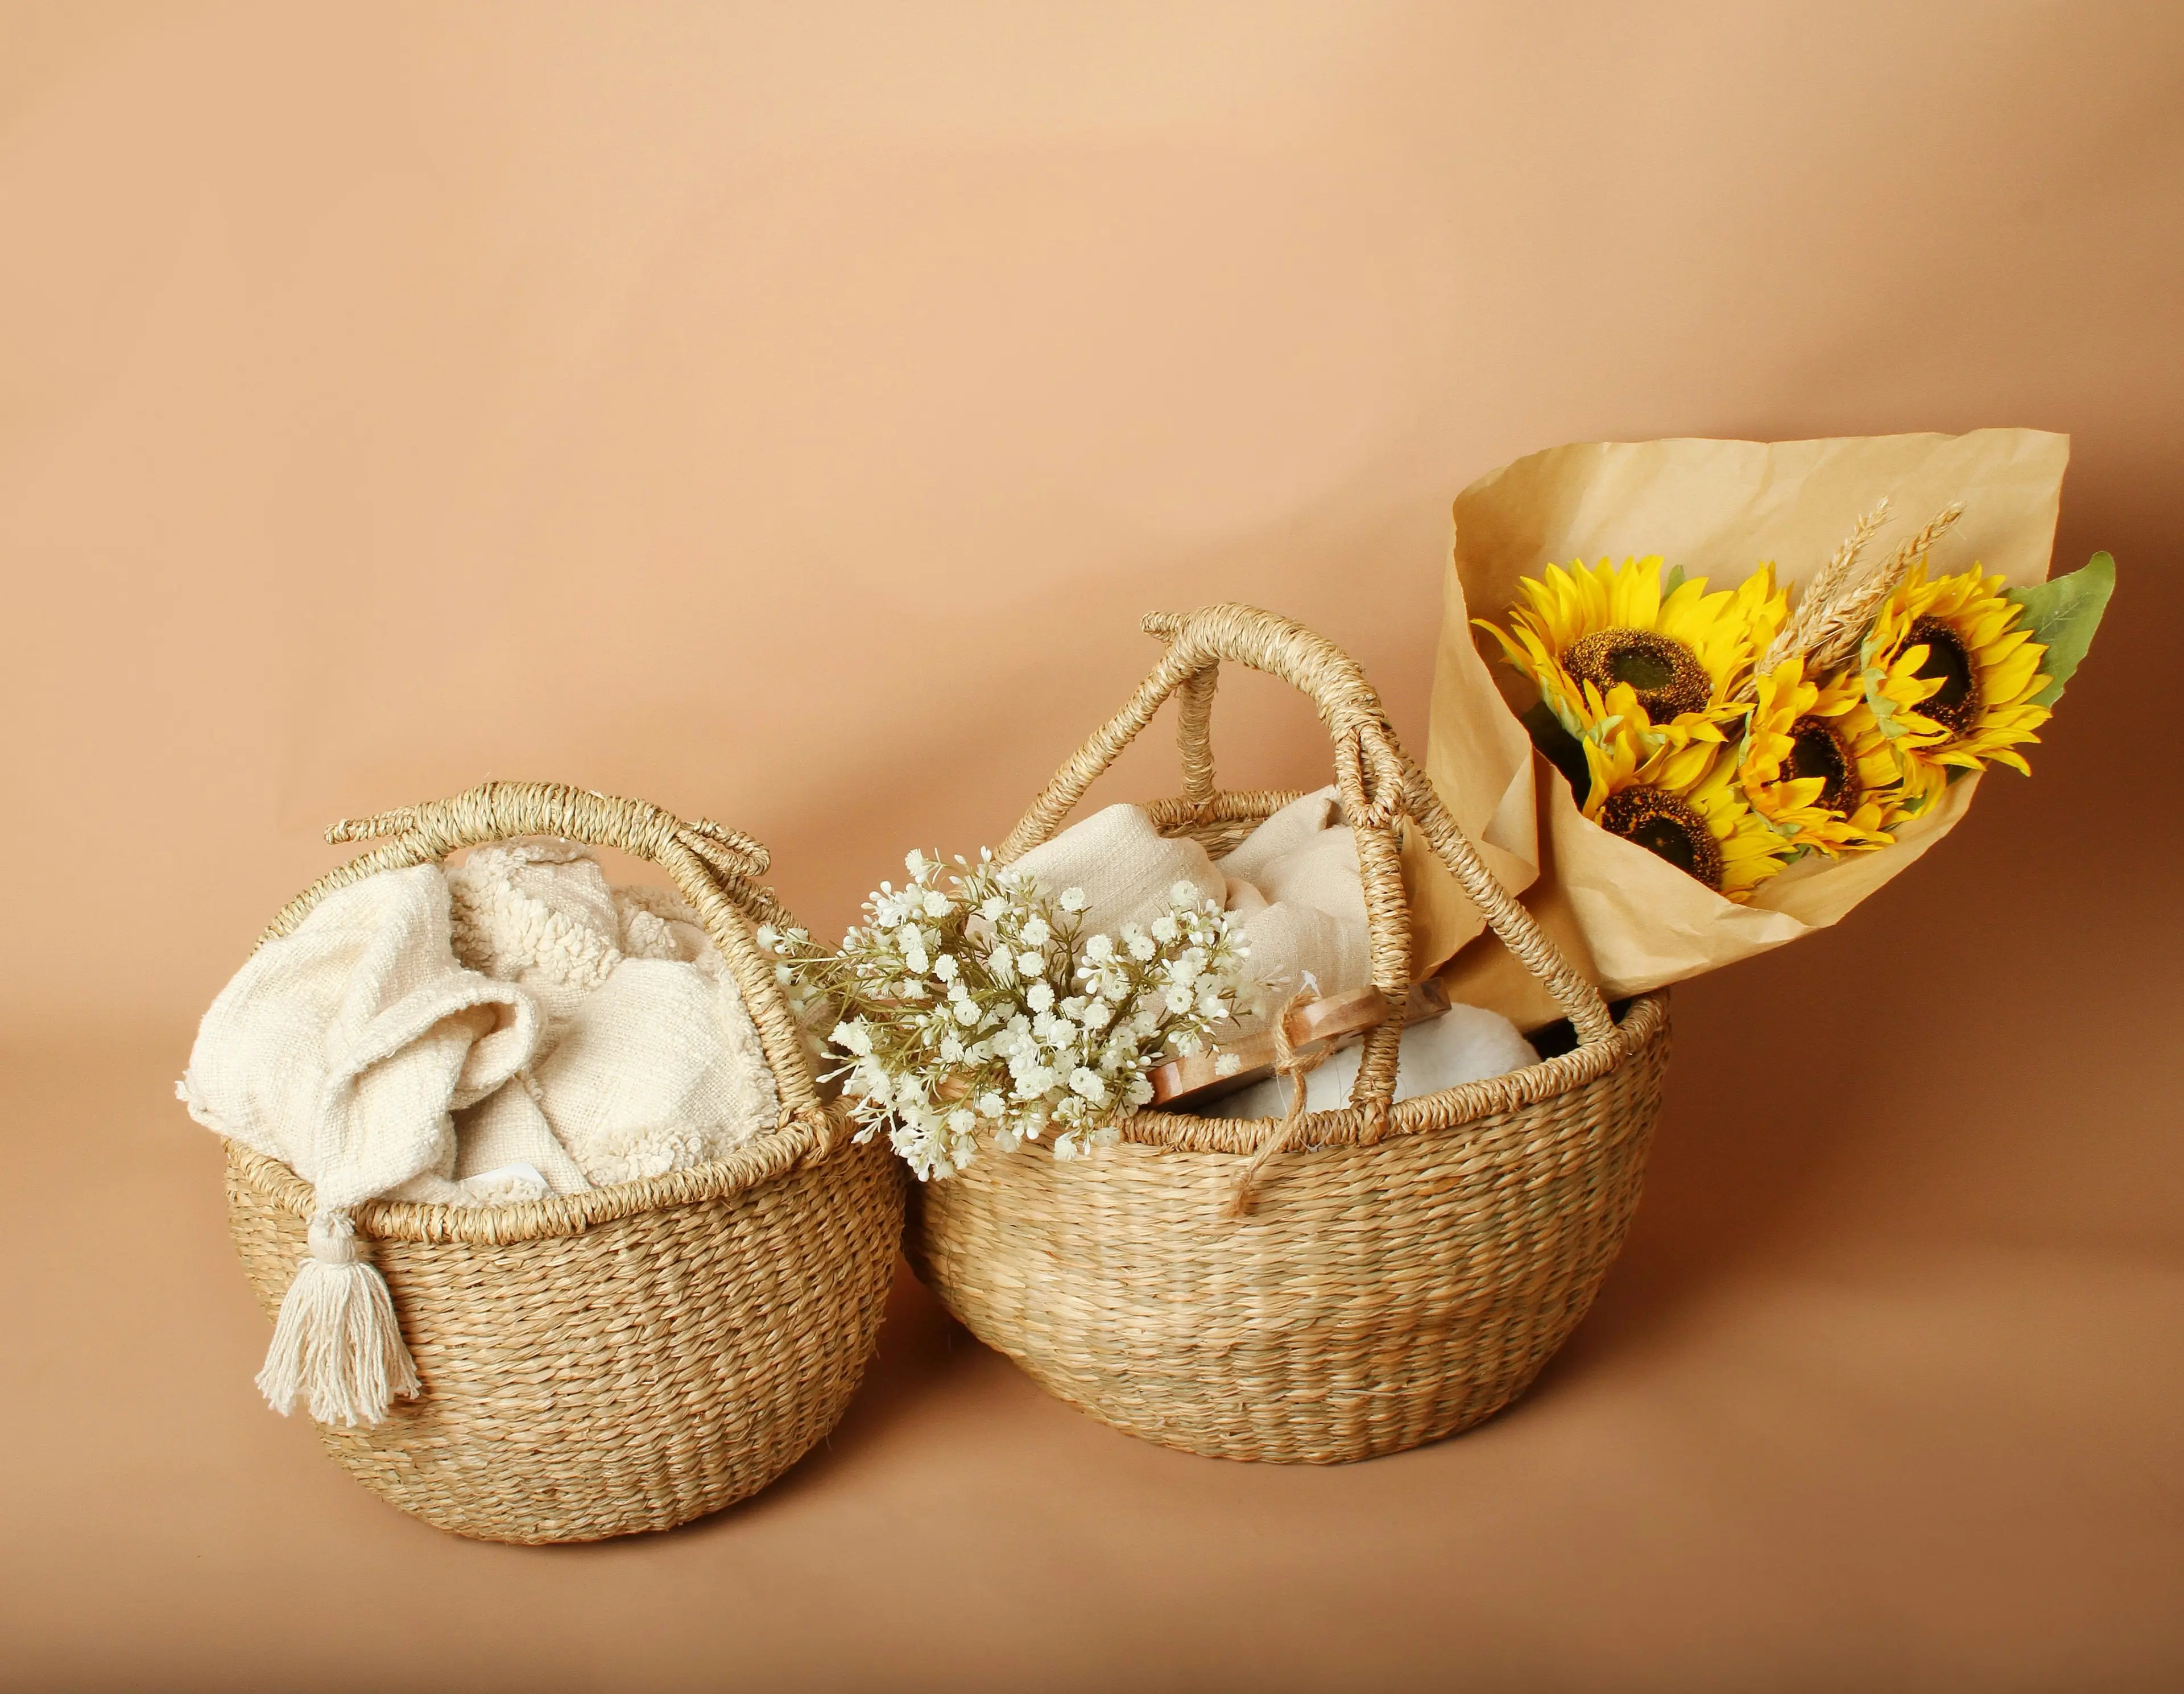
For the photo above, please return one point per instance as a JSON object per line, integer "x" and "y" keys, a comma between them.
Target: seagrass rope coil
{"x": 633, "y": 1356}
{"x": 1330, "y": 1285}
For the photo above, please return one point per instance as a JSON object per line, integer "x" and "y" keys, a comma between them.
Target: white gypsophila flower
{"x": 1227, "y": 1064}
{"x": 1072, "y": 901}
{"x": 969, "y": 1041}
{"x": 1183, "y": 893}
{"x": 915, "y": 863}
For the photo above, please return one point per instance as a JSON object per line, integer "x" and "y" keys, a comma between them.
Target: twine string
{"x": 1288, "y": 1063}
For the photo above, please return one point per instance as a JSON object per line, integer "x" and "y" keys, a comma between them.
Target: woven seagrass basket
{"x": 634, "y": 1357}
{"x": 1355, "y": 1283}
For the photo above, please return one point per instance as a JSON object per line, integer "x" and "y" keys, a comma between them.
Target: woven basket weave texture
{"x": 632, "y": 1357}
{"x": 1335, "y": 1285}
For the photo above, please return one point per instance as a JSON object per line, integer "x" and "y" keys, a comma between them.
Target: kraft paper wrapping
{"x": 1720, "y": 509}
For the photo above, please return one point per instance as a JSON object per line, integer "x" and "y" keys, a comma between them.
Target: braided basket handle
{"x": 714, "y": 868}
{"x": 1379, "y": 784}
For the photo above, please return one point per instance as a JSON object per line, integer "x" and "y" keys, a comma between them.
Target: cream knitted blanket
{"x": 469, "y": 1037}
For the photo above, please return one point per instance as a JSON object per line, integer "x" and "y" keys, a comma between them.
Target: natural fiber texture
{"x": 633, "y": 1356}
{"x": 1402, "y": 1270}
{"x": 1283, "y": 1134}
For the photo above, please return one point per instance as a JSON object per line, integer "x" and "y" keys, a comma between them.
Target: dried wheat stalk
{"x": 1839, "y": 601}
{"x": 1841, "y": 625}
{"x": 1796, "y": 634}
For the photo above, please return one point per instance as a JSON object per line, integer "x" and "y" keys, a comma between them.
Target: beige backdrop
{"x": 785, "y": 413}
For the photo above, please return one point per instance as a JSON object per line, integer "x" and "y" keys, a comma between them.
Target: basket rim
{"x": 766, "y": 1159}
{"x": 1643, "y": 1022}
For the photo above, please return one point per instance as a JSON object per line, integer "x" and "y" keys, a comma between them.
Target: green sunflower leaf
{"x": 2063, "y": 613}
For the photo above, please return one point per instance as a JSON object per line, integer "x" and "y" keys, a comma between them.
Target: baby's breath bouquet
{"x": 980, "y": 1014}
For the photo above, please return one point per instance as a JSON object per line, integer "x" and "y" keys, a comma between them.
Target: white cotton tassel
{"x": 337, "y": 1346}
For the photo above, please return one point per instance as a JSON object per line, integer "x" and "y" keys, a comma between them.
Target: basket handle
{"x": 1380, "y": 783}
{"x": 715, "y": 869}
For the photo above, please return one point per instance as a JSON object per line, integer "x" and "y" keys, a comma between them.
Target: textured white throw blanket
{"x": 343, "y": 1049}
{"x": 647, "y": 1062}
{"x": 473, "y": 1037}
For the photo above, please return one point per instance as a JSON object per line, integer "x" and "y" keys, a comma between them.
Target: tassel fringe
{"x": 337, "y": 1347}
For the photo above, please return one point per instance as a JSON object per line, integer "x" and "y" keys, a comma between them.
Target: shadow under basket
{"x": 630, "y": 1357}
{"x": 1351, "y": 1283}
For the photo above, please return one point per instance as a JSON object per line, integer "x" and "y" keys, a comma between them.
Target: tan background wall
{"x": 784, "y": 413}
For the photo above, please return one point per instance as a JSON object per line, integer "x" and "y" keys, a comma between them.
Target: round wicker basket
{"x": 1355, "y": 1282}
{"x": 634, "y": 1357}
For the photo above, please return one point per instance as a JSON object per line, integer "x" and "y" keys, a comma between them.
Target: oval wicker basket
{"x": 1402, "y": 1270}
{"x": 634, "y": 1357}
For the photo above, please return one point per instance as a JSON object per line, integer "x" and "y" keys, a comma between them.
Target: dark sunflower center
{"x": 1955, "y": 706}
{"x": 1816, "y": 751}
{"x": 1667, "y": 827}
{"x": 1666, "y": 675}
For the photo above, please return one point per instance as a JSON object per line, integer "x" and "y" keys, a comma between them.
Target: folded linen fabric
{"x": 1295, "y": 879}
{"x": 1125, "y": 866}
{"x": 1465, "y": 1044}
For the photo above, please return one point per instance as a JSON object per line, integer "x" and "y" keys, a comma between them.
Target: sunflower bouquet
{"x": 1770, "y": 707}
{"x": 1731, "y": 735}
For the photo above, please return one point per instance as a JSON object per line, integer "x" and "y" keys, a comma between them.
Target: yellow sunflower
{"x": 1610, "y": 625}
{"x": 1816, "y": 765}
{"x": 1949, "y": 672}
{"x": 1680, "y": 802}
